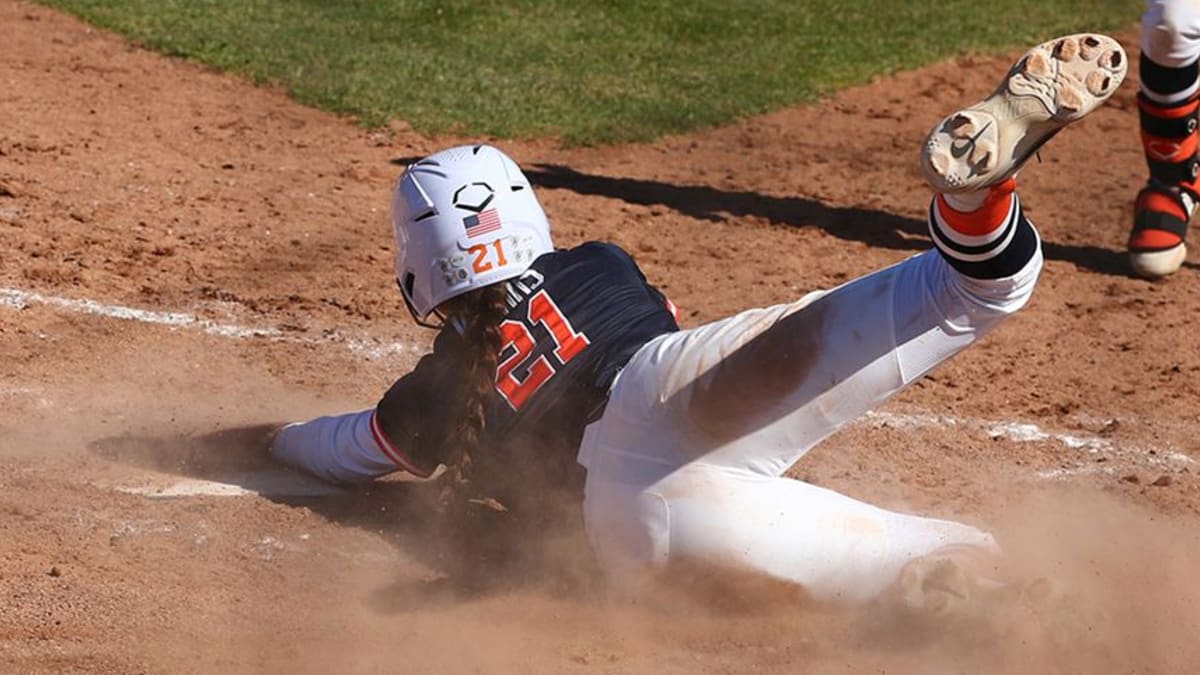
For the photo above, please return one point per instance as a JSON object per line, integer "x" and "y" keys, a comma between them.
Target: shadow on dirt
{"x": 870, "y": 226}
{"x": 877, "y": 228}
{"x": 472, "y": 549}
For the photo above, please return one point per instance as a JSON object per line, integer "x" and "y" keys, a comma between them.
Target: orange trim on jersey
{"x": 1171, "y": 113}
{"x": 985, "y": 219}
{"x": 393, "y": 453}
{"x": 672, "y": 309}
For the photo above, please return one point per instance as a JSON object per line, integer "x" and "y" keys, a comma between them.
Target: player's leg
{"x": 758, "y": 390}
{"x": 742, "y": 524}
{"x": 685, "y": 464}
{"x": 837, "y": 549}
{"x": 1168, "y": 103}
{"x": 1171, "y": 38}
{"x": 735, "y": 403}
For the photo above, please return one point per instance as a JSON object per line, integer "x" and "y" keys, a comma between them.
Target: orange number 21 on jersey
{"x": 567, "y": 345}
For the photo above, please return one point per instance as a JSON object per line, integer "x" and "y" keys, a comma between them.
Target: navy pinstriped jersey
{"x": 576, "y": 317}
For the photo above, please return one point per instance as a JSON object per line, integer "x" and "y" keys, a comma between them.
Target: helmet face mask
{"x": 463, "y": 218}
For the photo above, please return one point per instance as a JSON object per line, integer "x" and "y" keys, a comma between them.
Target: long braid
{"x": 483, "y": 310}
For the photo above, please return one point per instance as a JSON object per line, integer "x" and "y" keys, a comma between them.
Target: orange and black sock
{"x": 990, "y": 242}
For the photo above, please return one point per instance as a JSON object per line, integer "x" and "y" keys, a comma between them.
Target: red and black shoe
{"x": 1164, "y": 207}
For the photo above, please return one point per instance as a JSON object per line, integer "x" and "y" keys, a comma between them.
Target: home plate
{"x": 275, "y": 483}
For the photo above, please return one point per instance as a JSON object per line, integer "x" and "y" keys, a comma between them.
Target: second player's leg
{"x": 1168, "y": 111}
{"x": 1171, "y": 34}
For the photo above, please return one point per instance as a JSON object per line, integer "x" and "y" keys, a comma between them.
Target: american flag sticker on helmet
{"x": 488, "y": 221}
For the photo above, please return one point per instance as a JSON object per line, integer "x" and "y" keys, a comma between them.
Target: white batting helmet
{"x": 463, "y": 218}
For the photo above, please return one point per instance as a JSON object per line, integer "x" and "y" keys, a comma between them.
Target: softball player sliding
{"x": 548, "y": 360}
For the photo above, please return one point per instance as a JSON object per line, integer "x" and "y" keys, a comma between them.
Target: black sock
{"x": 1165, "y": 81}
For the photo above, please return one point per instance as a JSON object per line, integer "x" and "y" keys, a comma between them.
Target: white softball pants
{"x": 687, "y": 462}
{"x": 1171, "y": 32}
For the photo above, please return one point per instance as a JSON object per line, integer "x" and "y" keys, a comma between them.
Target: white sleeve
{"x": 342, "y": 448}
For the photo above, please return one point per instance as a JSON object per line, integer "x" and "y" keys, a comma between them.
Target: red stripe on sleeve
{"x": 393, "y": 453}
{"x": 672, "y": 308}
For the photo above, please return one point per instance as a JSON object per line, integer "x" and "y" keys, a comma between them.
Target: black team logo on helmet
{"x": 475, "y": 198}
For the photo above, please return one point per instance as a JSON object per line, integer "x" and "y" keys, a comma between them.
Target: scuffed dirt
{"x": 131, "y": 179}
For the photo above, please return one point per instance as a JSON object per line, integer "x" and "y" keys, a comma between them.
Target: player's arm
{"x": 338, "y": 448}
{"x": 401, "y": 434}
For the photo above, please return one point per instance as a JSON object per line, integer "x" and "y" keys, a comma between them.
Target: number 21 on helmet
{"x": 463, "y": 218}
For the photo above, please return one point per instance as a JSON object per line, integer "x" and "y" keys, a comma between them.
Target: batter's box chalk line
{"x": 1092, "y": 456}
{"x": 16, "y": 298}
{"x": 268, "y": 483}
{"x": 1089, "y": 447}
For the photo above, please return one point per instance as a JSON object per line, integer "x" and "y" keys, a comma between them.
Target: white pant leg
{"x": 1171, "y": 32}
{"x": 669, "y": 478}
{"x": 758, "y": 390}
{"x": 840, "y": 550}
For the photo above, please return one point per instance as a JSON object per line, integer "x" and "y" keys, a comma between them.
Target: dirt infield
{"x": 186, "y": 256}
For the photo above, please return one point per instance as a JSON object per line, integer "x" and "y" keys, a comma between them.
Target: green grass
{"x": 586, "y": 71}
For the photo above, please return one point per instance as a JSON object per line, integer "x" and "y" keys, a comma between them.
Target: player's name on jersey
{"x": 522, "y": 287}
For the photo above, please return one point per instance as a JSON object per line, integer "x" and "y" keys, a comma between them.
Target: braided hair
{"x": 481, "y": 312}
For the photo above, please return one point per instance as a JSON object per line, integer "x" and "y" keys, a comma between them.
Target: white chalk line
{"x": 269, "y": 483}
{"x": 265, "y": 546}
{"x": 1095, "y": 452}
{"x": 19, "y": 299}
{"x": 1095, "y": 447}
{"x": 16, "y": 298}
